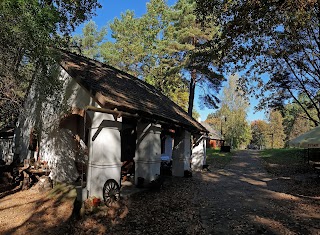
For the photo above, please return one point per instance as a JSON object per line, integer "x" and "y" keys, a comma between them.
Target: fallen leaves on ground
{"x": 171, "y": 210}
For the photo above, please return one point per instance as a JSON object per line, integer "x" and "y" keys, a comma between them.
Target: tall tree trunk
{"x": 192, "y": 91}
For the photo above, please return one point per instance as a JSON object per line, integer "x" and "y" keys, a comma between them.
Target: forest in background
{"x": 176, "y": 48}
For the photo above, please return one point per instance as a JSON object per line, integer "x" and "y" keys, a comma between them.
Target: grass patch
{"x": 217, "y": 159}
{"x": 284, "y": 161}
{"x": 282, "y": 156}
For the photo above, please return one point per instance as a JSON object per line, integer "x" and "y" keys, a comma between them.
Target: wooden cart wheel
{"x": 111, "y": 192}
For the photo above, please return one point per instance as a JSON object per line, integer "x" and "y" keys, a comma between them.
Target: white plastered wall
{"x": 148, "y": 151}
{"x": 105, "y": 152}
{"x": 181, "y": 153}
{"x": 44, "y": 114}
{"x": 198, "y": 158}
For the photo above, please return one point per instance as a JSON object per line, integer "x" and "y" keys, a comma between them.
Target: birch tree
{"x": 233, "y": 115}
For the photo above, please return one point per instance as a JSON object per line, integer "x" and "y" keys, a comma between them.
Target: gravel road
{"x": 243, "y": 198}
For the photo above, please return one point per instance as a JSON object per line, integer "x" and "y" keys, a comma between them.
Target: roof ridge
{"x": 121, "y": 71}
{"x": 139, "y": 94}
{"x": 112, "y": 67}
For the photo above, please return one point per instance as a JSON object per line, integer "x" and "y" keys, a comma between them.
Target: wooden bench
{"x": 312, "y": 157}
{"x": 316, "y": 166}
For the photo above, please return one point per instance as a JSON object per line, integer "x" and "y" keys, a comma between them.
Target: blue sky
{"x": 113, "y": 9}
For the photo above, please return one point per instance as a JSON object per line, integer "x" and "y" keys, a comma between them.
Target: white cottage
{"x": 104, "y": 120}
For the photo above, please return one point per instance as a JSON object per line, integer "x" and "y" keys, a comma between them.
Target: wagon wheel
{"x": 111, "y": 192}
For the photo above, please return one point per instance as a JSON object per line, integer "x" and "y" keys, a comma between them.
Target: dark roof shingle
{"x": 117, "y": 89}
{"x": 213, "y": 134}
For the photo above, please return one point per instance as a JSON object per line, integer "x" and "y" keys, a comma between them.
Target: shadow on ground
{"x": 31, "y": 212}
{"x": 244, "y": 199}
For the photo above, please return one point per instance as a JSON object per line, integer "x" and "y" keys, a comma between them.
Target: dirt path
{"x": 244, "y": 199}
{"x": 31, "y": 212}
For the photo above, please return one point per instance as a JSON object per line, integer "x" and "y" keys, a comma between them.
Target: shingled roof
{"x": 116, "y": 89}
{"x": 213, "y": 134}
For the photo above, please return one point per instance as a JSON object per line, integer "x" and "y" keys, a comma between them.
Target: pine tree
{"x": 187, "y": 37}
{"x": 88, "y": 44}
{"x": 162, "y": 48}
